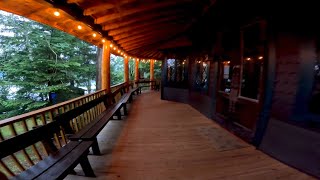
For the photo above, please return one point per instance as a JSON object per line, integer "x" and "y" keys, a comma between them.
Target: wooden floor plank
{"x": 161, "y": 140}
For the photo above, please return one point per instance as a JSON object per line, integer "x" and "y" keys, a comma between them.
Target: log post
{"x": 105, "y": 67}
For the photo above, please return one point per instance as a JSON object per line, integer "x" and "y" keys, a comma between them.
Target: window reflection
{"x": 315, "y": 98}
{"x": 177, "y": 73}
{"x": 202, "y": 75}
{"x": 251, "y": 73}
{"x": 226, "y": 77}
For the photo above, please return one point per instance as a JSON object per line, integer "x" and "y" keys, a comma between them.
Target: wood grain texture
{"x": 160, "y": 140}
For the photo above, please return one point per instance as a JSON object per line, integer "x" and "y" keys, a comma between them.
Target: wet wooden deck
{"x": 168, "y": 140}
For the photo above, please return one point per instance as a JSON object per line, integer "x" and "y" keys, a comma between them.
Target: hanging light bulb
{"x": 56, "y": 13}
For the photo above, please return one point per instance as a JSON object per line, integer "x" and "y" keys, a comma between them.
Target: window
{"x": 202, "y": 75}
{"x": 225, "y": 81}
{"x": 251, "y": 73}
{"x": 315, "y": 97}
{"x": 177, "y": 73}
{"x": 252, "y": 61}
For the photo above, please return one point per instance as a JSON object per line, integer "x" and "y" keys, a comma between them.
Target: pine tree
{"x": 37, "y": 61}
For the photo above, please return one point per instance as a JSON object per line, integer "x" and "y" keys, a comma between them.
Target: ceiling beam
{"x": 143, "y": 25}
{"x": 146, "y": 40}
{"x": 156, "y": 44}
{"x": 143, "y": 43}
{"x": 75, "y": 1}
{"x": 145, "y": 30}
{"x": 103, "y": 6}
{"x": 169, "y": 33}
{"x": 151, "y": 33}
{"x": 148, "y": 7}
{"x": 141, "y": 18}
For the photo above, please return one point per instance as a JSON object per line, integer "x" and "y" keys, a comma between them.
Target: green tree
{"x": 116, "y": 69}
{"x": 37, "y": 61}
{"x": 157, "y": 69}
{"x": 131, "y": 69}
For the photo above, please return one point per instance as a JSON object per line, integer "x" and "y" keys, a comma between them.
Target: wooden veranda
{"x": 248, "y": 65}
{"x": 167, "y": 140}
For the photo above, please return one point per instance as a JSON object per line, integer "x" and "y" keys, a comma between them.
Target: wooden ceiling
{"x": 139, "y": 28}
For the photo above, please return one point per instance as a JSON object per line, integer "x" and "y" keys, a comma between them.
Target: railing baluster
{"x": 5, "y": 167}
{"x": 24, "y": 152}
{"x": 56, "y": 138}
{"x": 43, "y": 120}
{"x": 16, "y": 162}
{"x": 61, "y": 131}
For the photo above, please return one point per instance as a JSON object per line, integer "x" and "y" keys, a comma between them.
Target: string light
{"x": 260, "y": 57}
{"x": 94, "y": 35}
{"x": 79, "y": 27}
{"x": 248, "y": 59}
{"x": 56, "y": 13}
{"x": 114, "y": 48}
{"x": 111, "y": 45}
{"x": 103, "y": 40}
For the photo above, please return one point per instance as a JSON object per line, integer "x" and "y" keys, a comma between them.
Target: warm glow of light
{"x": 118, "y": 51}
{"x": 94, "y": 35}
{"x": 248, "y": 59}
{"x": 260, "y": 57}
{"x": 111, "y": 45}
{"x": 134, "y": 59}
{"x": 79, "y": 27}
{"x": 103, "y": 40}
{"x": 56, "y": 13}
{"x": 228, "y": 62}
{"x": 155, "y": 60}
{"x": 183, "y": 63}
{"x": 114, "y": 48}
{"x": 121, "y": 53}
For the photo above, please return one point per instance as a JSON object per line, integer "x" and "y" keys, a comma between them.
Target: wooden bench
{"x": 91, "y": 130}
{"x": 59, "y": 163}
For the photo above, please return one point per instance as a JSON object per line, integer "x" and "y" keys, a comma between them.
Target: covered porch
{"x": 168, "y": 140}
{"x": 238, "y": 97}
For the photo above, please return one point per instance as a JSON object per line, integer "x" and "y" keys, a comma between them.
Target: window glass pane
{"x": 177, "y": 73}
{"x": 202, "y": 75}
{"x": 251, "y": 71}
{"x": 252, "y": 63}
{"x": 226, "y": 77}
{"x": 315, "y": 100}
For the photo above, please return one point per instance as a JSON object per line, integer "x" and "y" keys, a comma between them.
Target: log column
{"x": 151, "y": 73}
{"x": 126, "y": 69}
{"x": 136, "y": 73}
{"x": 105, "y": 66}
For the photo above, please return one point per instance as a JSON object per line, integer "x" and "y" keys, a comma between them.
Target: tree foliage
{"x": 116, "y": 69}
{"x": 37, "y": 61}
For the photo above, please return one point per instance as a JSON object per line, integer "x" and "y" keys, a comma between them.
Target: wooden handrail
{"x": 20, "y": 125}
{"x": 42, "y": 110}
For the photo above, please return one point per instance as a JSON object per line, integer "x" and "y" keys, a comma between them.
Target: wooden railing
{"x": 14, "y": 126}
